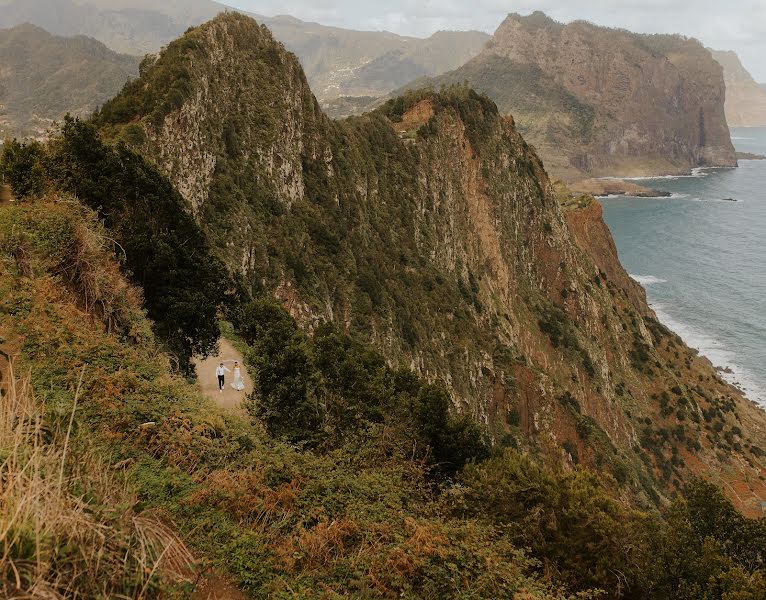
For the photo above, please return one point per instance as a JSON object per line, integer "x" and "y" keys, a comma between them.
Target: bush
{"x": 162, "y": 248}
{"x": 21, "y": 165}
{"x": 320, "y": 390}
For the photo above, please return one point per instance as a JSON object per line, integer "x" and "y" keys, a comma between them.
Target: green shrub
{"x": 162, "y": 248}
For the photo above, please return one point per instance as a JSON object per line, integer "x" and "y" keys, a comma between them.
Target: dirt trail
{"x": 207, "y": 380}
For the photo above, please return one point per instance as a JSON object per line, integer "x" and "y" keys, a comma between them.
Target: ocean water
{"x": 702, "y": 260}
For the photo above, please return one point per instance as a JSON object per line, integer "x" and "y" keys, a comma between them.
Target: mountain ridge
{"x": 594, "y": 101}
{"x": 331, "y": 56}
{"x": 433, "y": 204}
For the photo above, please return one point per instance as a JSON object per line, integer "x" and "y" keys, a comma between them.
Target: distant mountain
{"x": 43, "y": 77}
{"x": 745, "y": 99}
{"x": 129, "y": 26}
{"x": 600, "y": 101}
{"x": 342, "y": 62}
{"x": 338, "y": 62}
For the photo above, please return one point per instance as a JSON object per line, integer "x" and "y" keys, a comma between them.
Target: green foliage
{"x": 567, "y": 520}
{"x": 476, "y": 111}
{"x": 706, "y": 549}
{"x": 358, "y": 517}
{"x": 170, "y": 86}
{"x": 320, "y": 390}
{"x": 21, "y": 165}
{"x": 163, "y": 249}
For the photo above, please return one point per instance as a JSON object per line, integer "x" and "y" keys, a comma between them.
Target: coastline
{"x": 721, "y": 359}
{"x": 614, "y": 186}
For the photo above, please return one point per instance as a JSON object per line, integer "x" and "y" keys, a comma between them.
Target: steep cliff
{"x": 602, "y": 101}
{"x": 430, "y": 229}
{"x": 43, "y": 77}
{"x": 745, "y": 99}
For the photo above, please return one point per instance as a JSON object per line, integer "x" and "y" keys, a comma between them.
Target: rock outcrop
{"x": 598, "y": 101}
{"x": 430, "y": 228}
{"x": 745, "y": 99}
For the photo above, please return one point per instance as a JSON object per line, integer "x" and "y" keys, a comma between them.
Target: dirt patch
{"x": 230, "y": 399}
{"x": 215, "y": 587}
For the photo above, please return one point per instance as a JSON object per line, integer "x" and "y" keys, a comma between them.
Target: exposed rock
{"x": 429, "y": 228}
{"x": 615, "y": 187}
{"x": 745, "y": 99}
{"x": 596, "y": 101}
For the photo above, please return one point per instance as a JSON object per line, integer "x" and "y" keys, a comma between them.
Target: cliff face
{"x": 43, "y": 77}
{"x": 745, "y": 99}
{"x": 430, "y": 228}
{"x": 602, "y": 101}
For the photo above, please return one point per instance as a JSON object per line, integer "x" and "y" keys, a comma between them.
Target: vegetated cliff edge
{"x": 745, "y": 99}
{"x": 599, "y": 101}
{"x": 430, "y": 228}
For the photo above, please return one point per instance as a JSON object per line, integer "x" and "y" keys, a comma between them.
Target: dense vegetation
{"x": 161, "y": 247}
{"x": 322, "y": 389}
{"x": 349, "y": 476}
{"x": 356, "y": 514}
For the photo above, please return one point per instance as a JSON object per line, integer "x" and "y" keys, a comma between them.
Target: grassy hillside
{"x": 117, "y": 445}
{"x": 44, "y": 77}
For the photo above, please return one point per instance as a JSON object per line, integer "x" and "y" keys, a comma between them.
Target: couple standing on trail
{"x": 239, "y": 383}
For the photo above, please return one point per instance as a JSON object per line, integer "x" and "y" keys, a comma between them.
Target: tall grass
{"x": 67, "y": 526}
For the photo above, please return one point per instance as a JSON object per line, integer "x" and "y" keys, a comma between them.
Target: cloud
{"x": 738, "y": 25}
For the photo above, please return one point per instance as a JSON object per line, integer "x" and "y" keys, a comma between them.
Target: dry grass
{"x": 66, "y": 526}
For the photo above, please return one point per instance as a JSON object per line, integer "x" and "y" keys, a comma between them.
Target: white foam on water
{"x": 742, "y": 138}
{"x": 647, "y": 279}
{"x": 696, "y": 172}
{"x": 716, "y": 353}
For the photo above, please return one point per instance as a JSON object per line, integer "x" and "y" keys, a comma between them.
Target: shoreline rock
{"x": 750, "y": 156}
{"x": 601, "y": 188}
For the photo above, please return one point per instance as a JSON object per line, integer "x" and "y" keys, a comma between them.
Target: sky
{"x": 738, "y": 25}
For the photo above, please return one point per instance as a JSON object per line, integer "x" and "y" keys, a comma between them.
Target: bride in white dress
{"x": 239, "y": 383}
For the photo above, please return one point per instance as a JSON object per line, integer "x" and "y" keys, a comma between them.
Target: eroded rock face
{"x": 601, "y": 101}
{"x": 745, "y": 99}
{"x": 431, "y": 229}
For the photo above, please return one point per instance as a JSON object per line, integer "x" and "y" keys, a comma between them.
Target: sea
{"x": 702, "y": 259}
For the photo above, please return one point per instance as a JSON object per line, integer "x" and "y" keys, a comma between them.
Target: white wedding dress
{"x": 239, "y": 383}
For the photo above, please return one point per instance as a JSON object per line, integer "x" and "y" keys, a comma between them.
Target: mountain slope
{"x": 43, "y": 77}
{"x": 430, "y": 229}
{"x": 745, "y": 99}
{"x": 601, "y": 101}
{"x": 107, "y": 452}
{"x": 338, "y": 62}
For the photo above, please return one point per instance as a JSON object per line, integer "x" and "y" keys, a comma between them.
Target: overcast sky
{"x": 738, "y": 25}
